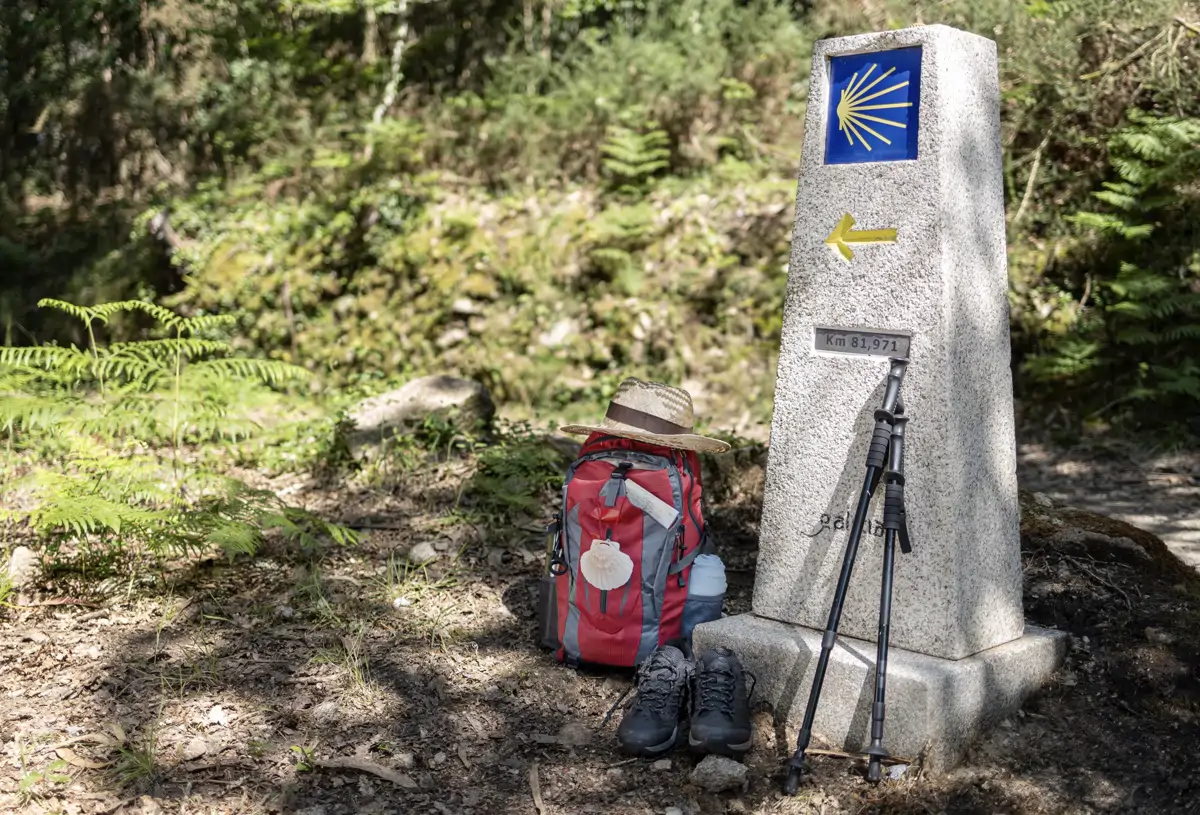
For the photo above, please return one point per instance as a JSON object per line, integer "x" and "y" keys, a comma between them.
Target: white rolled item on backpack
{"x": 663, "y": 513}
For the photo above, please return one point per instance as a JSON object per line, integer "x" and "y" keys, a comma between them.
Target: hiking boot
{"x": 651, "y": 726}
{"x": 721, "y": 706}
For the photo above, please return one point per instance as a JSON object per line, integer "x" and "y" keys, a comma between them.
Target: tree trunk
{"x": 370, "y": 54}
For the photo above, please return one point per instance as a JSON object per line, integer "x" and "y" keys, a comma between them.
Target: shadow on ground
{"x": 234, "y": 685}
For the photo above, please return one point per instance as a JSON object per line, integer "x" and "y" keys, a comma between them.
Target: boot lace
{"x": 715, "y": 691}
{"x": 658, "y": 684}
{"x": 716, "y": 687}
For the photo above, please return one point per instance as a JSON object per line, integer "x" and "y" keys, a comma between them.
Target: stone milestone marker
{"x": 898, "y": 251}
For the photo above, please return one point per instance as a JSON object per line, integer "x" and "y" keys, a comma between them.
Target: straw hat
{"x": 654, "y": 413}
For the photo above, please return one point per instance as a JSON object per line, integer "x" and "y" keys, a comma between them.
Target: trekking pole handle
{"x": 895, "y": 375}
{"x": 896, "y": 449}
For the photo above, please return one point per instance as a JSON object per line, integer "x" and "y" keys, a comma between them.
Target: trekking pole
{"x": 876, "y": 459}
{"x": 896, "y": 524}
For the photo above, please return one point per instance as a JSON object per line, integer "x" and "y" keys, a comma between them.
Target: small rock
{"x": 326, "y": 713}
{"x": 287, "y": 612}
{"x": 1159, "y": 637}
{"x": 558, "y": 333}
{"x": 194, "y": 749}
{"x": 718, "y": 773}
{"x": 661, "y": 765}
{"x": 439, "y": 758}
{"x": 218, "y": 716}
{"x": 423, "y": 553}
{"x": 401, "y": 602}
{"x": 897, "y": 771}
{"x": 23, "y": 568}
{"x": 1043, "y": 500}
{"x": 452, "y": 337}
{"x": 465, "y": 307}
{"x": 574, "y": 734}
{"x": 672, "y": 811}
{"x": 148, "y": 806}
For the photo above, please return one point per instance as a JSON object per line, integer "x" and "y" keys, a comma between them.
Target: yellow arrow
{"x": 842, "y": 235}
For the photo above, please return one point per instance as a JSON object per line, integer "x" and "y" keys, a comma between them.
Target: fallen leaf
{"x": 362, "y": 765}
{"x": 462, "y": 756}
{"x": 68, "y": 755}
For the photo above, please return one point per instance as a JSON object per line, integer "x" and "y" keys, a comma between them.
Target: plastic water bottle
{"x": 706, "y": 593}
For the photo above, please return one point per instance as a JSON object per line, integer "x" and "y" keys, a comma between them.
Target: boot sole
{"x": 654, "y": 750}
{"x": 730, "y": 750}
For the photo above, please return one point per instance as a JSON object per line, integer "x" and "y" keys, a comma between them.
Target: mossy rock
{"x": 1050, "y": 527}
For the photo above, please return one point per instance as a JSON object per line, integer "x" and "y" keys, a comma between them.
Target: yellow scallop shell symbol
{"x": 857, "y": 98}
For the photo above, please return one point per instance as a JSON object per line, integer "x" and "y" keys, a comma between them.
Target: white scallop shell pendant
{"x": 605, "y": 566}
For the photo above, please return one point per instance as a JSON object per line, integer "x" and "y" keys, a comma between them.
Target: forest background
{"x": 549, "y": 195}
{"x": 224, "y": 223}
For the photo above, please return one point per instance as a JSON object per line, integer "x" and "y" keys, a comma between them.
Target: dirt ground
{"x": 348, "y": 682}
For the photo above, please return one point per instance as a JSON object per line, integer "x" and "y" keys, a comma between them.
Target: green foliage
{"x": 632, "y": 158}
{"x": 34, "y": 783}
{"x": 105, "y": 428}
{"x": 343, "y": 174}
{"x": 515, "y": 478}
{"x": 1138, "y": 346}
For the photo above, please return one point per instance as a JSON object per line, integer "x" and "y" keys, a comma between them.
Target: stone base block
{"x": 934, "y": 705}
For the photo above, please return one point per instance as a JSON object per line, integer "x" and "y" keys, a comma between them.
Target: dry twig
{"x": 362, "y": 765}
{"x": 535, "y": 787}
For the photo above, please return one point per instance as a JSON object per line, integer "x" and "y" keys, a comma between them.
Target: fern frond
{"x": 1120, "y": 200}
{"x": 235, "y": 537}
{"x": 271, "y": 371}
{"x": 206, "y": 322}
{"x": 47, "y": 357}
{"x": 31, "y": 412}
{"x": 88, "y": 514}
{"x": 164, "y": 349}
{"x": 81, "y": 313}
{"x": 163, "y": 316}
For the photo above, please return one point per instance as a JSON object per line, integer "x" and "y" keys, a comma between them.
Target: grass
{"x": 406, "y": 583}
{"x": 34, "y": 784}
{"x": 350, "y": 655}
{"x": 136, "y": 764}
{"x": 7, "y": 590}
{"x": 312, "y": 590}
{"x": 202, "y": 672}
{"x": 409, "y": 587}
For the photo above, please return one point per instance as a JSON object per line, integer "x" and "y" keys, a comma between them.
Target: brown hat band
{"x": 644, "y": 421}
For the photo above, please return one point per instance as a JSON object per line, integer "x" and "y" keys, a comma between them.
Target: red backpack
{"x": 621, "y": 552}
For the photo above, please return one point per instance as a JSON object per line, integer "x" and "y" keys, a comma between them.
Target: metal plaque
{"x": 867, "y": 342}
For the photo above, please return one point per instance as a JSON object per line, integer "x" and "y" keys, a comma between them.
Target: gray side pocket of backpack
{"x": 697, "y": 610}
